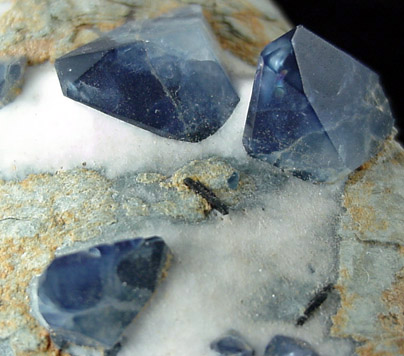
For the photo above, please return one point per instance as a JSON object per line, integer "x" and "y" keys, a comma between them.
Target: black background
{"x": 371, "y": 31}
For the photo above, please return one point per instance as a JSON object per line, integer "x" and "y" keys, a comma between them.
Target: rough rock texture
{"x": 372, "y": 256}
{"x": 46, "y": 29}
{"x": 45, "y": 212}
{"x": 152, "y": 194}
{"x": 374, "y": 197}
{"x": 38, "y": 215}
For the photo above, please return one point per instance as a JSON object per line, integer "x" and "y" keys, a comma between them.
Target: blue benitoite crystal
{"x": 287, "y": 346}
{"x": 232, "y": 344}
{"x": 89, "y": 297}
{"x": 162, "y": 75}
{"x": 11, "y": 77}
{"x": 315, "y": 111}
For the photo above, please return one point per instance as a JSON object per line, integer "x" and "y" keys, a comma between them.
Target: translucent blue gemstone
{"x": 89, "y": 297}
{"x": 232, "y": 345}
{"x": 315, "y": 111}
{"x": 162, "y": 75}
{"x": 11, "y": 77}
{"x": 287, "y": 346}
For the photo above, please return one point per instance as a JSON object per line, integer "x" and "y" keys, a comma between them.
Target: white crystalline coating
{"x": 36, "y": 136}
{"x": 224, "y": 270}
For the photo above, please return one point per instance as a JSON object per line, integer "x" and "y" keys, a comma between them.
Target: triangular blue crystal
{"x": 162, "y": 75}
{"x": 89, "y": 297}
{"x": 314, "y": 111}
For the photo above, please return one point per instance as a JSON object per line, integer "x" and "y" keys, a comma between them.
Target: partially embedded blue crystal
{"x": 287, "y": 346}
{"x": 232, "y": 345}
{"x": 315, "y": 111}
{"x": 89, "y": 297}
{"x": 162, "y": 75}
{"x": 11, "y": 78}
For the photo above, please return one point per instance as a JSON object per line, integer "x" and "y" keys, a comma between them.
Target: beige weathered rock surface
{"x": 372, "y": 256}
{"x": 45, "y": 29}
{"x": 45, "y": 212}
{"x": 38, "y": 215}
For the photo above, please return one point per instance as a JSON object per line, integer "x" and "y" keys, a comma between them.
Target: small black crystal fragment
{"x": 232, "y": 344}
{"x": 314, "y": 304}
{"x": 89, "y": 297}
{"x": 281, "y": 345}
{"x": 207, "y": 194}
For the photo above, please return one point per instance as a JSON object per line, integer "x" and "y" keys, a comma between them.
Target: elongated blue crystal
{"x": 163, "y": 75}
{"x": 281, "y": 345}
{"x": 232, "y": 344}
{"x": 89, "y": 297}
{"x": 315, "y": 111}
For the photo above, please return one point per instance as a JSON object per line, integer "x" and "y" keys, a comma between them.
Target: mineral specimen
{"x": 315, "y": 111}
{"x": 162, "y": 75}
{"x": 89, "y": 297}
{"x": 11, "y": 77}
{"x": 232, "y": 345}
{"x": 287, "y": 346}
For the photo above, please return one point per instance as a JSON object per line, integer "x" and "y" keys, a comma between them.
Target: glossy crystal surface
{"x": 89, "y": 297}
{"x": 287, "y": 346}
{"x": 232, "y": 344}
{"x": 163, "y": 75}
{"x": 315, "y": 111}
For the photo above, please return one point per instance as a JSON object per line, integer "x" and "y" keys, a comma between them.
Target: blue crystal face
{"x": 162, "y": 75}
{"x": 89, "y": 297}
{"x": 287, "y": 346}
{"x": 232, "y": 345}
{"x": 315, "y": 111}
{"x": 11, "y": 76}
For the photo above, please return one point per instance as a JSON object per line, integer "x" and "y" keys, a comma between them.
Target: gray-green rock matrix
{"x": 70, "y": 210}
{"x": 371, "y": 279}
